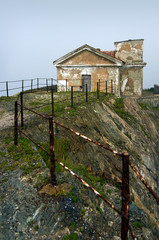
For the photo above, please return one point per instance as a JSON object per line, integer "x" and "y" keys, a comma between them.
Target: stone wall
{"x": 152, "y": 101}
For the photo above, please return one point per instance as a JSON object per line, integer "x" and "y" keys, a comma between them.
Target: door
{"x": 86, "y": 79}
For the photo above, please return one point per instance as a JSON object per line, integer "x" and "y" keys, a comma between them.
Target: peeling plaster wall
{"x": 130, "y": 51}
{"x": 74, "y": 77}
{"x": 132, "y": 82}
{"x": 127, "y": 75}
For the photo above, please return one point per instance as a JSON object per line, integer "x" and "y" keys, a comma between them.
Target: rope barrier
{"x": 88, "y": 139}
{"x": 81, "y": 180}
{"x": 144, "y": 182}
{"x": 41, "y": 115}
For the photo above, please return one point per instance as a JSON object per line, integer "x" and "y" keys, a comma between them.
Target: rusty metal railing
{"x": 124, "y": 213}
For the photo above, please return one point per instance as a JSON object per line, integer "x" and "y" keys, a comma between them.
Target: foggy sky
{"x": 34, "y": 33}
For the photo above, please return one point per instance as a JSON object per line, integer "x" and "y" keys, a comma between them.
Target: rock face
{"x": 29, "y": 211}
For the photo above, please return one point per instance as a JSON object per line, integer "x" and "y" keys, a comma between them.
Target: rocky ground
{"x": 32, "y": 209}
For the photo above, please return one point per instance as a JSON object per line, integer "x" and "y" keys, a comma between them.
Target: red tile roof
{"x": 110, "y": 53}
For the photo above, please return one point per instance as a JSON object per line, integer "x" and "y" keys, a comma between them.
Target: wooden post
{"x": 21, "y": 102}
{"x": 7, "y": 89}
{"x": 86, "y": 93}
{"x": 106, "y": 88}
{"x": 52, "y": 100}
{"x": 71, "y": 96}
{"x": 125, "y": 197}
{"x": 97, "y": 90}
{"x": 111, "y": 86}
{"x": 52, "y": 154}
{"x": 16, "y": 124}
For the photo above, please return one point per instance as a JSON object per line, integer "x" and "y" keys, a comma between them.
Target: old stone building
{"x": 88, "y": 65}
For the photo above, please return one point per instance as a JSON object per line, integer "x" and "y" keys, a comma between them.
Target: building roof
{"x": 130, "y": 40}
{"x": 109, "y": 55}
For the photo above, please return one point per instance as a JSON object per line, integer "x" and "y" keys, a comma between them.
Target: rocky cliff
{"x": 32, "y": 209}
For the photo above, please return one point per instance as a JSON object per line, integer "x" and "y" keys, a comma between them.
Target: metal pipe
{"x": 21, "y": 101}
{"x": 52, "y": 154}
{"x": 71, "y": 96}
{"x": 16, "y": 124}
{"x": 125, "y": 197}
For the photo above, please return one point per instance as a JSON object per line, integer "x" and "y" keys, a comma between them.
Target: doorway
{"x": 86, "y": 79}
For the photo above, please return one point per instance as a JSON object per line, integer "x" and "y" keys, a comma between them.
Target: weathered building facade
{"x": 87, "y": 65}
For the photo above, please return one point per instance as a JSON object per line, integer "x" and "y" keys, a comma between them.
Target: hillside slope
{"x": 34, "y": 212}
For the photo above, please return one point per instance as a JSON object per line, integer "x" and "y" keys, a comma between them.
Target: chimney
{"x": 130, "y": 51}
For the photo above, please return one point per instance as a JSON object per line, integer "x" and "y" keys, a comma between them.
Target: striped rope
{"x": 144, "y": 182}
{"x": 88, "y": 139}
{"x": 83, "y": 182}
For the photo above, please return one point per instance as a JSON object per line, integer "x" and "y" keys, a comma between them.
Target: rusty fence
{"x": 124, "y": 213}
{"x": 31, "y": 85}
{"x": 7, "y": 87}
{"x": 74, "y": 98}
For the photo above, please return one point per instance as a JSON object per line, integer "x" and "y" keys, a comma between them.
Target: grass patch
{"x": 73, "y": 225}
{"x": 7, "y": 99}
{"x": 144, "y": 106}
{"x": 72, "y": 236}
{"x": 99, "y": 209}
{"x": 137, "y": 224}
{"x": 2, "y": 154}
{"x": 23, "y": 156}
{"x": 119, "y": 109}
{"x": 73, "y": 197}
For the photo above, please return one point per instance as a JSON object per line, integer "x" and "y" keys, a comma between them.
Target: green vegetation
{"x": 2, "y": 154}
{"x": 137, "y": 224}
{"x": 72, "y": 236}
{"x": 119, "y": 109}
{"x": 73, "y": 225}
{"x": 7, "y": 99}
{"x": 144, "y": 106}
{"x": 109, "y": 191}
{"x": 99, "y": 209}
{"x": 22, "y": 155}
{"x": 118, "y": 185}
{"x": 73, "y": 197}
{"x": 36, "y": 227}
{"x": 83, "y": 211}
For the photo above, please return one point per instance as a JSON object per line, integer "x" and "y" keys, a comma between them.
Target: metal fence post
{"x": 21, "y": 102}
{"x": 111, "y": 86}
{"x": 16, "y": 124}
{"x": 106, "y": 88}
{"x": 31, "y": 84}
{"x": 22, "y": 85}
{"x": 37, "y": 83}
{"x": 86, "y": 93}
{"x": 46, "y": 84}
{"x": 97, "y": 90}
{"x": 66, "y": 85}
{"x": 7, "y": 89}
{"x": 52, "y": 155}
{"x": 71, "y": 96}
{"x": 125, "y": 197}
{"x": 52, "y": 100}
